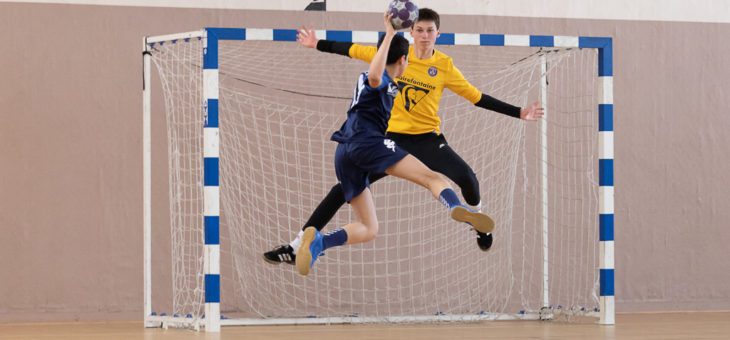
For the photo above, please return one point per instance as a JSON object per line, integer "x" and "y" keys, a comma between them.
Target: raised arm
{"x": 377, "y": 66}
{"x": 308, "y": 38}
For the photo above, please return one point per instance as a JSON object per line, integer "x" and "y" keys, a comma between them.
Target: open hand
{"x": 306, "y": 37}
{"x": 533, "y": 112}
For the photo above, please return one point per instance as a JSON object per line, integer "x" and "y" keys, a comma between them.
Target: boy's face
{"x": 424, "y": 34}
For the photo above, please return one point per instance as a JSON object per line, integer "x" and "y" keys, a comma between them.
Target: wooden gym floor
{"x": 664, "y": 326}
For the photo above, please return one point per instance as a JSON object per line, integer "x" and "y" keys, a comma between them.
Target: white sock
{"x": 297, "y": 242}
{"x": 477, "y": 208}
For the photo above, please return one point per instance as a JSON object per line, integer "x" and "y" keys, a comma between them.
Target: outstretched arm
{"x": 531, "y": 113}
{"x": 462, "y": 87}
{"x": 308, "y": 38}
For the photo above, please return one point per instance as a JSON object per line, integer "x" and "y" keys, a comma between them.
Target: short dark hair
{"x": 427, "y": 14}
{"x": 398, "y": 48}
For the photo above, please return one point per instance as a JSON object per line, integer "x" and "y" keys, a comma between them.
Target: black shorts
{"x": 434, "y": 151}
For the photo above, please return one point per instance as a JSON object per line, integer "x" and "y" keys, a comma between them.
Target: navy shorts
{"x": 355, "y": 161}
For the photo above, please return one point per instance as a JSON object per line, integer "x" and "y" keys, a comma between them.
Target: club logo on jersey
{"x": 393, "y": 90}
{"x": 389, "y": 144}
{"x": 412, "y": 94}
{"x": 432, "y": 71}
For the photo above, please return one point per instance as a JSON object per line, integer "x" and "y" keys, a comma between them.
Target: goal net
{"x": 279, "y": 104}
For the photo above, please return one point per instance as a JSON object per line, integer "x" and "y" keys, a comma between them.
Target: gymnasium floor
{"x": 665, "y": 326}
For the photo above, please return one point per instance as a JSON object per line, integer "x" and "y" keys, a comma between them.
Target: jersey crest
{"x": 412, "y": 94}
{"x": 393, "y": 89}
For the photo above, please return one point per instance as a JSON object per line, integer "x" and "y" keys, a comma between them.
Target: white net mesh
{"x": 181, "y": 79}
{"x": 279, "y": 104}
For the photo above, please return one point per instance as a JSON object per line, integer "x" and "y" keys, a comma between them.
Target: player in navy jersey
{"x": 363, "y": 149}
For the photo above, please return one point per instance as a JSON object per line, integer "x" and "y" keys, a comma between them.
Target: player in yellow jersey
{"x": 414, "y": 123}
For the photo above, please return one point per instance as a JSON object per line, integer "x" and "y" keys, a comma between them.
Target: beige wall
{"x": 70, "y": 143}
{"x": 666, "y": 10}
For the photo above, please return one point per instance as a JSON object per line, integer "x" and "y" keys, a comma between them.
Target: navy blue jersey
{"x": 369, "y": 111}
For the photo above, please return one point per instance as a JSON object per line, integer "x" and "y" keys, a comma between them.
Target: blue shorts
{"x": 355, "y": 161}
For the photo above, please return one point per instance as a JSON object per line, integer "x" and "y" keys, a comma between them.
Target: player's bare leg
{"x": 412, "y": 169}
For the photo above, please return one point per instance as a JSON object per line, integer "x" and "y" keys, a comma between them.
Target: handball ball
{"x": 405, "y": 13}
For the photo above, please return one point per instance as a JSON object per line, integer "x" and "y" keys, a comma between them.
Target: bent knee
{"x": 372, "y": 231}
{"x": 467, "y": 181}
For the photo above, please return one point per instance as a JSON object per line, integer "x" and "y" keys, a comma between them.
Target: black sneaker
{"x": 280, "y": 254}
{"x": 484, "y": 241}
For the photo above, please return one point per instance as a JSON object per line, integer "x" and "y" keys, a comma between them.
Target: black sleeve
{"x": 491, "y": 103}
{"x": 337, "y": 47}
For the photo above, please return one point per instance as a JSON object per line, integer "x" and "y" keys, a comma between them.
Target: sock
{"x": 334, "y": 238}
{"x": 448, "y": 198}
{"x": 477, "y": 208}
{"x": 297, "y": 242}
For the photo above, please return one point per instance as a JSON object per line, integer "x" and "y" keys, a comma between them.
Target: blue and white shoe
{"x": 310, "y": 249}
{"x": 481, "y": 223}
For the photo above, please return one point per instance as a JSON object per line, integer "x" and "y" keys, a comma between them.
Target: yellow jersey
{"x": 415, "y": 109}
